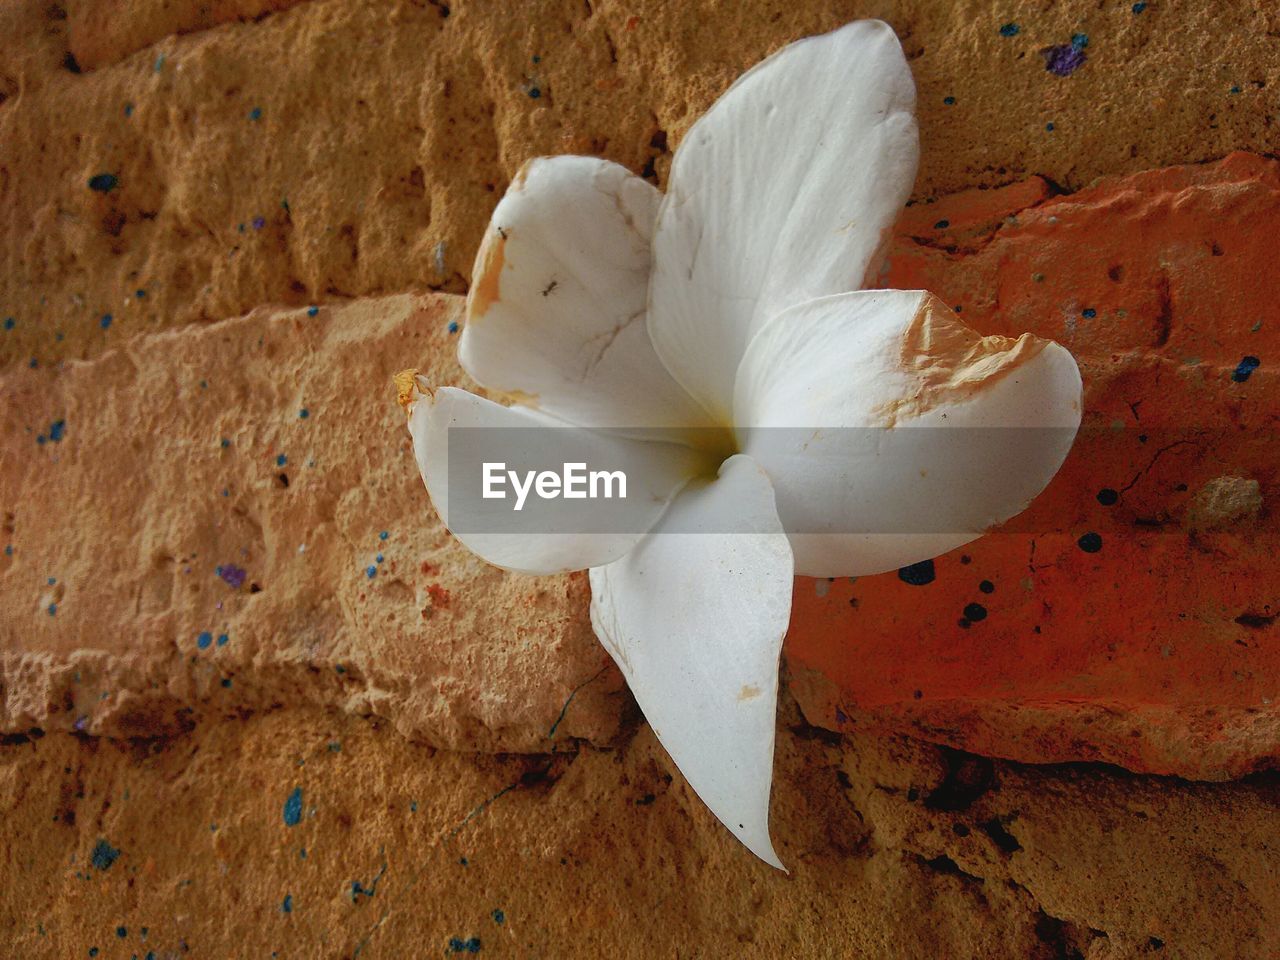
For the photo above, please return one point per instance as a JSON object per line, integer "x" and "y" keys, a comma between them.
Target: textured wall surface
{"x": 255, "y": 702}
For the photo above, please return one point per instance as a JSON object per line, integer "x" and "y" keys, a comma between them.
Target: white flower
{"x": 732, "y": 303}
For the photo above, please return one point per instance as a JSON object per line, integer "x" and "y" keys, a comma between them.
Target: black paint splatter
{"x": 103, "y": 182}
{"x": 918, "y": 574}
{"x": 1090, "y": 542}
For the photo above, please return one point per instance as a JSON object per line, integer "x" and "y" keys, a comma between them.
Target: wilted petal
{"x": 784, "y": 191}
{"x": 695, "y": 621}
{"x": 524, "y": 541}
{"x": 893, "y": 433}
{"x": 556, "y": 312}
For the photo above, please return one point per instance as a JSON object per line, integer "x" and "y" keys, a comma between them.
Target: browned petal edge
{"x": 950, "y": 362}
{"x": 406, "y": 384}
{"x": 485, "y": 290}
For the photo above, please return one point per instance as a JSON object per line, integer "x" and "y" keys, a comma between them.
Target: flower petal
{"x": 695, "y": 621}
{"x": 524, "y": 541}
{"x": 784, "y": 191}
{"x": 885, "y": 426}
{"x": 556, "y": 312}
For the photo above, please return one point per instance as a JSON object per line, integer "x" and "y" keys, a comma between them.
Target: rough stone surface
{"x": 386, "y": 131}
{"x": 1224, "y": 501}
{"x": 192, "y": 543}
{"x": 896, "y": 850}
{"x": 249, "y": 158}
{"x": 1129, "y": 615}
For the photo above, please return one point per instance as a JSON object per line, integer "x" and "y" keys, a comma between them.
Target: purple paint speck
{"x": 1063, "y": 60}
{"x": 232, "y": 575}
{"x": 259, "y": 223}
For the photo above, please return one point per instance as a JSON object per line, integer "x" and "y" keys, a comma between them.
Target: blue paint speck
{"x": 204, "y": 640}
{"x": 255, "y": 113}
{"x": 949, "y": 101}
{"x": 371, "y": 572}
{"x": 56, "y": 430}
{"x": 1088, "y": 313}
{"x": 383, "y": 535}
{"x": 8, "y": 323}
{"x": 304, "y": 413}
{"x": 51, "y": 581}
{"x": 942, "y": 224}
{"x": 458, "y": 945}
{"x": 222, "y": 639}
{"x": 122, "y": 932}
{"x": 1079, "y": 40}
{"x": 1234, "y": 90}
{"x": 293, "y": 808}
{"x": 535, "y": 93}
{"x": 225, "y": 443}
{"x": 159, "y": 63}
{"x": 453, "y": 326}
{"x": 1244, "y": 369}
{"x": 226, "y": 682}
{"x": 378, "y": 558}
{"x": 281, "y": 460}
{"x": 104, "y": 855}
{"x": 1010, "y": 30}
{"x": 93, "y": 951}
{"x": 1049, "y": 126}
{"x": 128, "y": 109}
{"x": 358, "y": 889}
{"x": 140, "y": 294}
{"x": 1138, "y": 7}
{"x": 103, "y": 182}
{"x": 53, "y": 609}
{"x": 499, "y": 917}
{"x": 287, "y": 905}
{"x": 312, "y": 311}
{"x": 105, "y": 322}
